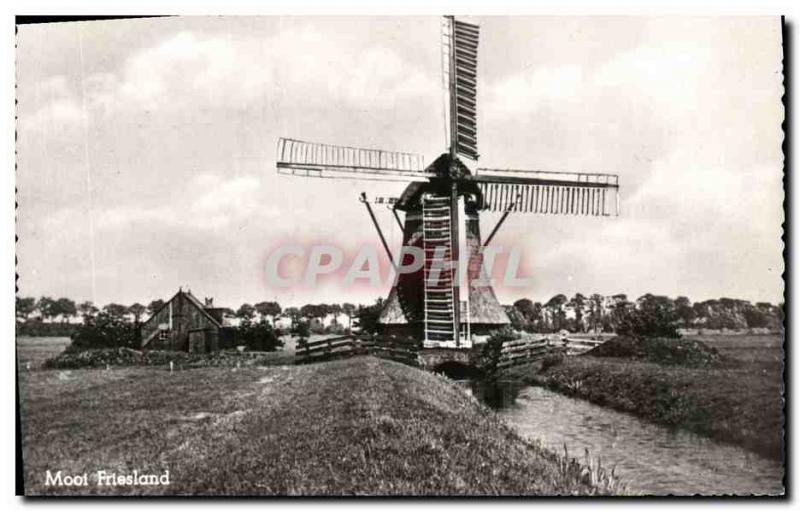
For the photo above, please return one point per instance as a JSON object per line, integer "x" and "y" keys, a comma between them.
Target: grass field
{"x": 34, "y": 351}
{"x": 739, "y": 401}
{"x": 359, "y": 426}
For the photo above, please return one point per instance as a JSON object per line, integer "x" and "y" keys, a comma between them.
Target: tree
{"x": 368, "y": 316}
{"x": 596, "y": 311}
{"x": 66, "y": 307}
{"x": 577, "y": 304}
{"x": 154, "y": 306}
{"x": 654, "y": 316}
{"x": 25, "y": 307}
{"x": 272, "y": 309}
{"x": 556, "y": 307}
{"x": 684, "y": 310}
{"x": 246, "y": 312}
{"x": 48, "y": 307}
{"x": 527, "y": 315}
{"x": 621, "y": 308}
{"x": 518, "y": 321}
{"x": 301, "y": 332}
{"x": 115, "y": 310}
{"x": 137, "y": 309}
{"x": 87, "y": 310}
{"x": 756, "y": 317}
{"x": 525, "y": 306}
{"x": 350, "y": 310}
{"x": 311, "y": 311}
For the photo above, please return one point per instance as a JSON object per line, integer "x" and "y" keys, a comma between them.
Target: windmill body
{"x": 442, "y": 303}
{"x": 423, "y": 304}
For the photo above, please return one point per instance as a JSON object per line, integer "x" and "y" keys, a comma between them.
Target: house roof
{"x": 193, "y": 300}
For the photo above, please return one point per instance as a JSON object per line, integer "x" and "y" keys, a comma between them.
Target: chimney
{"x": 209, "y": 302}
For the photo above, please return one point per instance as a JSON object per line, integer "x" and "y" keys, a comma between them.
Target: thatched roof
{"x": 484, "y": 309}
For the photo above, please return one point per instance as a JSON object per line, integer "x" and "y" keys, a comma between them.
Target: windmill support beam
{"x": 363, "y": 199}
{"x": 500, "y": 222}
{"x": 397, "y": 217}
{"x": 497, "y": 227}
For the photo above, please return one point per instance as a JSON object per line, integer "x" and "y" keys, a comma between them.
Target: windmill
{"x": 442, "y": 204}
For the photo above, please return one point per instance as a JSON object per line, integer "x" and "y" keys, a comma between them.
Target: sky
{"x": 146, "y": 149}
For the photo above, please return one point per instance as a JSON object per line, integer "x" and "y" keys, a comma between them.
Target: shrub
{"x": 258, "y": 337}
{"x": 368, "y": 317}
{"x": 552, "y": 360}
{"x": 660, "y": 351}
{"x": 648, "y": 323}
{"x": 301, "y": 332}
{"x": 105, "y": 331}
{"x": 492, "y": 351}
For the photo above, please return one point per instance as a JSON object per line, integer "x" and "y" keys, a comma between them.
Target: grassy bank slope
{"x": 738, "y": 400}
{"x": 361, "y": 426}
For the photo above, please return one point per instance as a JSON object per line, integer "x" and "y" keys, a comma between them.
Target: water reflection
{"x": 496, "y": 395}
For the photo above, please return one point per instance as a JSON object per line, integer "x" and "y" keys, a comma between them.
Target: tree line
{"x": 580, "y": 313}
{"x": 616, "y": 313}
{"x": 48, "y": 309}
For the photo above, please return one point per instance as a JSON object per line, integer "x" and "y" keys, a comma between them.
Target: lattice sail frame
{"x": 460, "y": 78}
{"x": 557, "y": 193}
{"x": 311, "y": 159}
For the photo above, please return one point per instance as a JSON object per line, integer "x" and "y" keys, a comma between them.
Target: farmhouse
{"x": 186, "y": 324}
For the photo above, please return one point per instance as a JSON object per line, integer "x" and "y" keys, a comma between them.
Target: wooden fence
{"x": 521, "y": 351}
{"x": 527, "y": 350}
{"x": 576, "y": 346}
{"x": 524, "y": 351}
{"x": 332, "y": 348}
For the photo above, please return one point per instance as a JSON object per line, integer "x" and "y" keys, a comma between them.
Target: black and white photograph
{"x": 401, "y": 256}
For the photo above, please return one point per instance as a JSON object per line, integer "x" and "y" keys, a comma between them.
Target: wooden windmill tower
{"x": 445, "y": 197}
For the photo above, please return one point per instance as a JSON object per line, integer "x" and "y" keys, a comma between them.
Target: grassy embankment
{"x": 737, "y": 398}
{"x": 360, "y": 426}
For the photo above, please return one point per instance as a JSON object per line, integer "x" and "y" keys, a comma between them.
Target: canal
{"x": 650, "y": 459}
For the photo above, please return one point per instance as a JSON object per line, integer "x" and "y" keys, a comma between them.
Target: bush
{"x": 105, "y": 331}
{"x": 492, "y": 351}
{"x": 648, "y": 323}
{"x": 257, "y": 337}
{"x": 552, "y": 360}
{"x": 368, "y": 317}
{"x": 660, "y": 351}
{"x": 301, "y": 332}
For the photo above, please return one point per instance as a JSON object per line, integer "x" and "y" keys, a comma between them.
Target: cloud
{"x": 60, "y": 105}
{"x": 209, "y": 202}
{"x": 524, "y": 92}
{"x": 195, "y": 71}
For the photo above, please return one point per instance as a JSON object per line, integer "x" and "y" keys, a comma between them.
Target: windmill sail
{"x": 556, "y": 193}
{"x": 460, "y": 50}
{"x": 310, "y": 159}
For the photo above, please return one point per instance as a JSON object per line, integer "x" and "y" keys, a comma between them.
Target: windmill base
{"x": 478, "y": 334}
